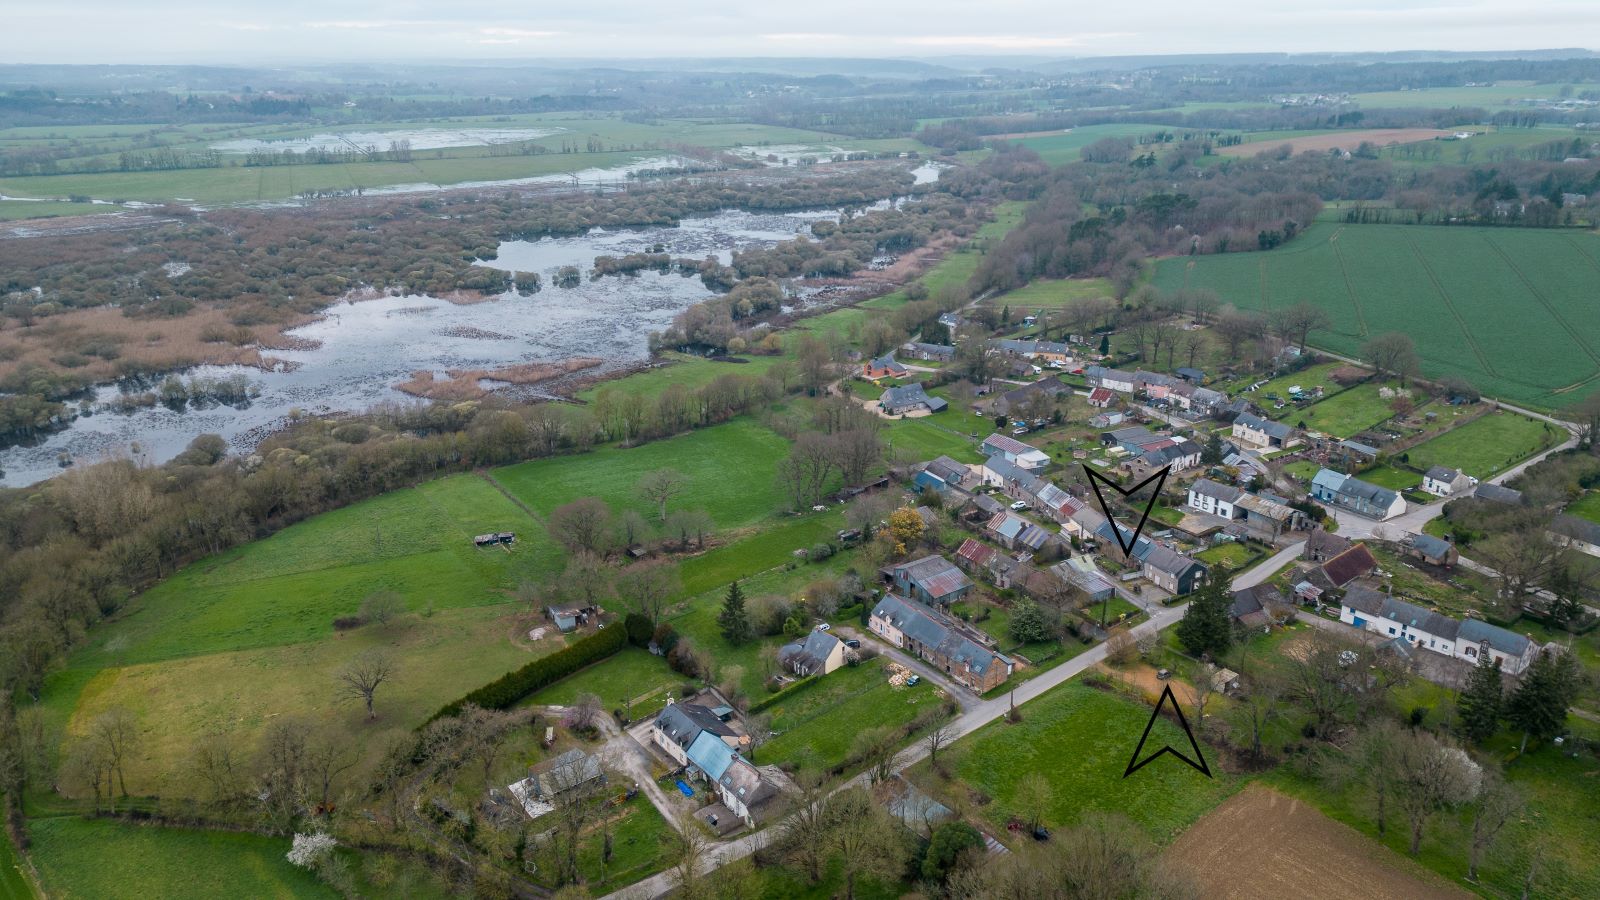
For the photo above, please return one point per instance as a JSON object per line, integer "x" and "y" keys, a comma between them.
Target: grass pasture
{"x": 819, "y": 723}
{"x": 1486, "y": 446}
{"x": 1508, "y": 309}
{"x": 1343, "y": 414}
{"x": 1067, "y": 145}
{"x": 82, "y": 859}
{"x": 1080, "y": 740}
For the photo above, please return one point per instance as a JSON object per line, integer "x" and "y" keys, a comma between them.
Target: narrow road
{"x": 970, "y": 720}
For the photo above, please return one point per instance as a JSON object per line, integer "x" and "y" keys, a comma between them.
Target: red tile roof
{"x": 1349, "y": 565}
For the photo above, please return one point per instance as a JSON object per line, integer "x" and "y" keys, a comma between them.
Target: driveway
{"x": 961, "y": 694}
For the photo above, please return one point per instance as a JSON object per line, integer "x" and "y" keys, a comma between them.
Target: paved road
{"x": 979, "y": 715}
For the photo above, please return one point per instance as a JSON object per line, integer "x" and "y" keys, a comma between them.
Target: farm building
{"x": 931, "y": 579}
{"x": 1079, "y": 571}
{"x": 929, "y": 352}
{"x": 1579, "y": 534}
{"x": 1322, "y": 546}
{"x": 1429, "y": 549}
{"x": 1016, "y": 533}
{"x": 1495, "y": 493}
{"x": 568, "y": 616}
{"x": 1264, "y": 433}
{"x": 1100, "y": 398}
{"x": 909, "y": 398}
{"x": 1346, "y": 567}
{"x": 495, "y": 539}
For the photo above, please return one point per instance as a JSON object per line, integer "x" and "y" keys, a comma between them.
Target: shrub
{"x": 346, "y": 623}
{"x": 639, "y": 629}
{"x": 666, "y": 637}
{"x": 508, "y": 689}
{"x": 820, "y": 552}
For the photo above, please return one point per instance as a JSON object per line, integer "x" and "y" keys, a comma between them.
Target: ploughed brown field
{"x": 1263, "y": 844}
{"x": 1344, "y": 140}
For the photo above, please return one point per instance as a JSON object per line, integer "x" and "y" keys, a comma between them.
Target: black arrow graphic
{"x": 1135, "y": 764}
{"x": 1096, "y": 479}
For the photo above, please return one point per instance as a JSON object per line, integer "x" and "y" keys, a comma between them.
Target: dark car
{"x": 853, "y": 644}
{"x": 1041, "y": 833}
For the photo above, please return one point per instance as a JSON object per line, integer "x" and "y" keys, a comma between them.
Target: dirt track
{"x": 1344, "y": 140}
{"x": 1262, "y": 844}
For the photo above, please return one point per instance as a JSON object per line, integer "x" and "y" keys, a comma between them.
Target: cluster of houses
{"x": 1260, "y": 514}
{"x": 1354, "y": 495}
{"x": 1184, "y": 390}
{"x": 939, "y": 640}
{"x": 1413, "y": 628}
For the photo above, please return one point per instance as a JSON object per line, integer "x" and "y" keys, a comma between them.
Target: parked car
{"x": 1022, "y": 429}
{"x": 1020, "y": 505}
{"x": 1041, "y": 833}
{"x": 913, "y": 680}
{"x": 853, "y": 644}
{"x": 824, "y": 627}
{"x": 1163, "y": 674}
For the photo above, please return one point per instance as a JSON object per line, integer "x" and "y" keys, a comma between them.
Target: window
{"x": 1391, "y": 631}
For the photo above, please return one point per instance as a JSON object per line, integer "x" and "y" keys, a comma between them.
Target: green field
{"x": 1343, "y": 414}
{"x": 1509, "y": 309}
{"x": 1491, "y": 97}
{"x": 818, "y": 724}
{"x": 89, "y": 859}
{"x": 1059, "y": 149}
{"x": 1049, "y": 293}
{"x": 731, "y": 471}
{"x": 14, "y": 884}
{"x": 1486, "y": 446}
{"x": 1392, "y": 478}
{"x": 1080, "y": 739}
{"x": 1587, "y": 506}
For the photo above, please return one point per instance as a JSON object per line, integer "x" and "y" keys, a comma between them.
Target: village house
{"x": 1581, "y": 535}
{"x": 1494, "y": 493}
{"x": 931, "y": 579}
{"x": 938, "y": 640}
{"x": 1172, "y": 571}
{"x": 883, "y": 367}
{"x": 1190, "y": 374}
{"x": 1444, "y": 482}
{"x": 929, "y": 352}
{"x": 979, "y": 558}
{"x": 1015, "y": 452}
{"x": 1268, "y": 517}
{"x": 950, "y": 471}
{"x": 1263, "y": 433}
{"x": 1038, "y": 351}
{"x": 678, "y": 724}
{"x": 1214, "y": 499}
{"x": 1021, "y": 484}
{"x": 741, "y": 787}
{"x": 909, "y": 398}
{"x": 1080, "y": 572}
{"x": 1421, "y": 628}
{"x": 951, "y": 321}
{"x": 1016, "y": 400}
{"x": 1322, "y": 546}
{"x": 1429, "y": 549}
{"x": 1178, "y": 452}
{"x": 1356, "y": 495}
{"x": 1153, "y": 385}
{"x": 980, "y": 508}
{"x": 1016, "y": 533}
{"x": 818, "y": 653}
{"x": 1110, "y": 379}
{"x": 1259, "y": 605}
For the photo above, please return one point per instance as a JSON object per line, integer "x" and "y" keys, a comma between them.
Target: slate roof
{"x": 1349, "y": 565}
{"x": 1252, "y": 600}
{"x": 947, "y": 469}
{"x": 1364, "y": 449}
{"x": 1364, "y": 599}
{"x": 1428, "y": 545}
{"x": 1441, "y": 473}
{"x": 931, "y": 629}
{"x": 1141, "y": 547}
{"x": 1414, "y": 616}
{"x": 939, "y": 350}
{"x": 935, "y": 575}
{"x": 1170, "y": 561}
{"x": 683, "y": 722}
{"x": 1500, "y": 639}
{"x": 1495, "y": 493}
{"x": 569, "y": 770}
{"x": 909, "y": 395}
{"x": 1254, "y": 422}
{"x": 887, "y": 361}
{"x": 812, "y": 652}
{"x": 1018, "y": 530}
{"x": 987, "y": 504}
{"x": 1325, "y": 543}
{"x": 1190, "y": 374}
{"x": 1576, "y": 528}
{"x": 1103, "y": 373}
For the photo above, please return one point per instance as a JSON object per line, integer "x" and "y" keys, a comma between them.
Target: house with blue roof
{"x": 737, "y": 782}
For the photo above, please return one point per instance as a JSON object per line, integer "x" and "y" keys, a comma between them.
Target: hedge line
{"x": 512, "y": 687}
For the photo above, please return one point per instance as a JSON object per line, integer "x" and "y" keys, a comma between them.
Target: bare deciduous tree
{"x": 117, "y": 732}
{"x": 584, "y": 524}
{"x": 1497, "y": 803}
{"x": 647, "y": 586}
{"x": 361, "y": 679}
{"x": 661, "y": 486}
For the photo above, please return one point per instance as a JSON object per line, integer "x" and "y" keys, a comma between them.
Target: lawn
{"x": 1587, "y": 506}
{"x": 1392, "y": 477}
{"x": 1343, "y": 414}
{"x": 1509, "y": 309}
{"x": 1486, "y": 446}
{"x": 936, "y": 435}
{"x": 1049, "y": 293}
{"x": 14, "y": 885}
{"x": 631, "y": 675}
{"x": 1080, "y": 739}
{"x": 642, "y": 845}
{"x": 1233, "y": 555}
{"x": 730, "y": 472}
{"x": 1066, "y": 146}
{"x": 817, "y": 726}
{"x": 81, "y": 858}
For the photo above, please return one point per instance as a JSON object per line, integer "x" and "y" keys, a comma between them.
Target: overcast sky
{"x": 187, "y": 31}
